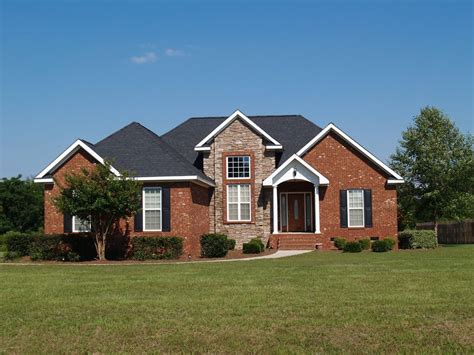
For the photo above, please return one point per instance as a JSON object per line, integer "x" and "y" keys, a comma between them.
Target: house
{"x": 281, "y": 178}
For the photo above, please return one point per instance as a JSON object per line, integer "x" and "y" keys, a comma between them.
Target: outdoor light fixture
{"x": 294, "y": 172}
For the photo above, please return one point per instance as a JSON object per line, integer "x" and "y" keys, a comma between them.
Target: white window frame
{"x": 74, "y": 230}
{"x": 238, "y": 203}
{"x": 152, "y": 209}
{"x": 227, "y": 167}
{"x": 349, "y": 208}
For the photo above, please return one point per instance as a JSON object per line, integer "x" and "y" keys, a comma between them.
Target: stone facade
{"x": 239, "y": 139}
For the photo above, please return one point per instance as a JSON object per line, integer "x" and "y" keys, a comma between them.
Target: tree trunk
{"x": 100, "y": 246}
{"x": 436, "y": 227}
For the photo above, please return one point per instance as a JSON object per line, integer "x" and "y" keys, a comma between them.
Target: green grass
{"x": 408, "y": 301}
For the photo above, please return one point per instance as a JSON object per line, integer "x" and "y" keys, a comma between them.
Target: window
{"x": 238, "y": 167}
{"x": 238, "y": 202}
{"x": 355, "y": 208}
{"x": 80, "y": 225}
{"x": 152, "y": 208}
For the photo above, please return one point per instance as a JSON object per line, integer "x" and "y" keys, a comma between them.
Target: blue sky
{"x": 83, "y": 69}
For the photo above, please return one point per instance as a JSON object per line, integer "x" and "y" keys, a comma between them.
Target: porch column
{"x": 275, "y": 209}
{"x": 316, "y": 210}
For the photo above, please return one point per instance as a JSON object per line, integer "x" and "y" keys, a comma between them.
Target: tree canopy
{"x": 437, "y": 162}
{"x": 21, "y": 205}
{"x": 100, "y": 197}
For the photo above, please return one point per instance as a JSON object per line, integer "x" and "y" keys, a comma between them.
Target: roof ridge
{"x": 251, "y": 116}
{"x": 121, "y": 129}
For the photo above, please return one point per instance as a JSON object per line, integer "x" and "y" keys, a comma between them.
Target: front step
{"x": 297, "y": 242}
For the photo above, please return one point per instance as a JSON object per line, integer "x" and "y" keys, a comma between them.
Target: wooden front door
{"x": 296, "y": 213}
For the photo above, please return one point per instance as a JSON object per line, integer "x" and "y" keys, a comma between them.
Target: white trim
{"x": 275, "y": 210}
{"x": 152, "y": 209}
{"x": 44, "y": 180}
{"x": 73, "y": 148}
{"x": 227, "y": 167}
{"x": 274, "y": 147}
{"x": 74, "y": 230}
{"x": 355, "y": 208}
{"x": 395, "y": 182}
{"x": 172, "y": 178}
{"x": 322, "y": 180}
{"x": 332, "y": 127}
{"x": 202, "y": 149}
{"x": 229, "y": 120}
{"x": 239, "y": 203}
{"x": 317, "y": 221}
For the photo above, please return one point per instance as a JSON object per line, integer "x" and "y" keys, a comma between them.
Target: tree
{"x": 437, "y": 162}
{"x": 21, "y": 205}
{"x": 100, "y": 197}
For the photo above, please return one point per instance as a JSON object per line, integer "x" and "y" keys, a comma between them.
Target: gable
{"x": 273, "y": 144}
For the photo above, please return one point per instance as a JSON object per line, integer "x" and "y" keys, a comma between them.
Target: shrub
{"x": 340, "y": 243}
{"x": 352, "y": 247}
{"x": 390, "y": 241}
{"x": 364, "y": 243}
{"x": 11, "y": 255}
{"x": 214, "y": 245}
{"x": 251, "y": 248}
{"x": 259, "y": 242}
{"x": 62, "y": 247}
{"x": 145, "y": 248}
{"x": 230, "y": 244}
{"x": 384, "y": 245}
{"x": 18, "y": 243}
{"x": 415, "y": 239}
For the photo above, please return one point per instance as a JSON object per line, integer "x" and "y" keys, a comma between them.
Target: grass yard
{"x": 407, "y": 301}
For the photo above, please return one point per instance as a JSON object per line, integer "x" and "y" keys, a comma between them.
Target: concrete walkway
{"x": 279, "y": 254}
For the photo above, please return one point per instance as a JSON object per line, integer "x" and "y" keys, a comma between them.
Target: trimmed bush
{"x": 251, "y": 248}
{"x": 417, "y": 239}
{"x": 214, "y": 245}
{"x": 390, "y": 241}
{"x": 352, "y": 247}
{"x": 18, "y": 243}
{"x": 340, "y": 243}
{"x": 230, "y": 244}
{"x": 63, "y": 247}
{"x": 156, "y": 248}
{"x": 364, "y": 243}
{"x": 259, "y": 242}
{"x": 384, "y": 245}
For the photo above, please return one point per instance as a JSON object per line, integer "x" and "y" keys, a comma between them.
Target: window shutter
{"x": 368, "y": 208}
{"x": 67, "y": 221}
{"x": 166, "y": 213}
{"x": 343, "y": 207}
{"x": 138, "y": 220}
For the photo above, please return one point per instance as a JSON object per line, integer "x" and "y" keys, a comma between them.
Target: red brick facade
{"x": 189, "y": 211}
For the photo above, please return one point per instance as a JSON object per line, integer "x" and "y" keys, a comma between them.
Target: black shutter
{"x": 166, "y": 213}
{"x": 67, "y": 221}
{"x": 343, "y": 207}
{"x": 368, "y": 208}
{"x": 138, "y": 222}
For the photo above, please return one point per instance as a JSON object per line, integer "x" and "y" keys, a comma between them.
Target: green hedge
{"x": 352, "y": 247}
{"x": 340, "y": 243}
{"x": 18, "y": 243}
{"x": 416, "y": 239}
{"x": 231, "y": 244}
{"x": 214, "y": 245}
{"x": 364, "y": 243}
{"x": 146, "y": 248}
{"x": 63, "y": 247}
{"x": 384, "y": 245}
{"x": 259, "y": 242}
{"x": 251, "y": 248}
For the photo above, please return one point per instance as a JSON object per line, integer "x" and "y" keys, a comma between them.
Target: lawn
{"x": 407, "y": 301}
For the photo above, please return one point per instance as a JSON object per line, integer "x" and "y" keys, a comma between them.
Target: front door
{"x": 296, "y": 212}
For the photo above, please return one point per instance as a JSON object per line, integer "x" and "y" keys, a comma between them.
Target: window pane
{"x": 152, "y": 220}
{"x": 308, "y": 211}
{"x": 238, "y": 167}
{"x": 244, "y": 193}
{"x": 81, "y": 225}
{"x": 232, "y": 193}
{"x": 356, "y": 217}
{"x": 283, "y": 210}
{"x": 233, "y": 212}
{"x": 152, "y": 197}
{"x": 245, "y": 211}
{"x": 356, "y": 198}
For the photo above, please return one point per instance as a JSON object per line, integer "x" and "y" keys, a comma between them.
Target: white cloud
{"x": 170, "y": 52}
{"x": 149, "y": 57}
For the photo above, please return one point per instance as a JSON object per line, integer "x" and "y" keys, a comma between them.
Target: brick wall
{"x": 346, "y": 168}
{"x": 189, "y": 207}
{"x": 237, "y": 139}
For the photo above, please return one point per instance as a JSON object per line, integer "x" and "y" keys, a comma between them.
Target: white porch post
{"x": 316, "y": 210}
{"x": 275, "y": 209}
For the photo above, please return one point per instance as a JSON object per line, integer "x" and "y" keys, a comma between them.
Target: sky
{"x": 84, "y": 69}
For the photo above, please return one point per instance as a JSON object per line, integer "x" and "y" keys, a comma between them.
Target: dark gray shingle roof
{"x": 292, "y": 131}
{"x": 143, "y": 153}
